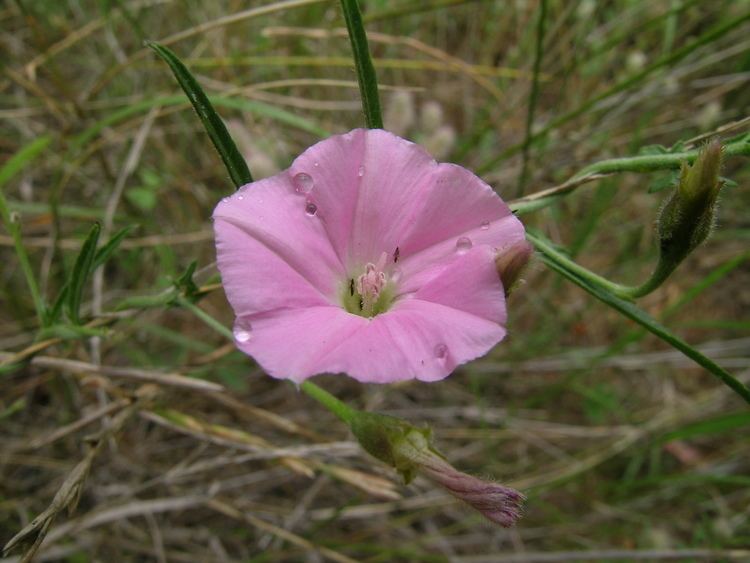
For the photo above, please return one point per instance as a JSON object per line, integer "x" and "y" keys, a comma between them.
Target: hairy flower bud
{"x": 511, "y": 262}
{"x": 497, "y": 503}
{"x": 687, "y": 217}
{"x": 409, "y": 450}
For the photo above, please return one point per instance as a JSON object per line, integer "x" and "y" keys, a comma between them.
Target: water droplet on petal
{"x": 441, "y": 351}
{"x": 463, "y": 245}
{"x": 240, "y": 197}
{"x": 316, "y": 164}
{"x": 310, "y": 208}
{"x": 396, "y": 275}
{"x": 303, "y": 183}
{"x": 485, "y": 225}
{"x": 361, "y": 171}
{"x": 225, "y": 199}
{"x": 242, "y": 331}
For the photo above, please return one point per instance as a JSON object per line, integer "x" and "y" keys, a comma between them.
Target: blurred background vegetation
{"x": 626, "y": 449}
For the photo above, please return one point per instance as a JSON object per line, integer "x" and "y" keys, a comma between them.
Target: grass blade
{"x": 559, "y": 264}
{"x": 83, "y": 267}
{"x": 13, "y": 166}
{"x": 103, "y": 254}
{"x": 368, "y": 82}
{"x": 217, "y": 131}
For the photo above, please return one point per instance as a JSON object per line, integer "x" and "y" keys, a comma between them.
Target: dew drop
{"x": 311, "y": 209}
{"x": 463, "y": 245}
{"x": 303, "y": 183}
{"x": 396, "y": 275}
{"x": 485, "y": 225}
{"x": 242, "y": 331}
{"x": 441, "y": 351}
{"x": 361, "y": 171}
{"x": 240, "y": 197}
{"x": 316, "y": 164}
{"x": 225, "y": 199}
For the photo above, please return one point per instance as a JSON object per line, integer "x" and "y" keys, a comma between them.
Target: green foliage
{"x": 217, "y": 131}
{"x": 79, "y": 276}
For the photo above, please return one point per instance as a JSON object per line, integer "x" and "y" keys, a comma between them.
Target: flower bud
{"x": 409, "y": 450}
{"x": 511, "y": 262}
{"x": 687, "y": 217}
{"x": 497, "y": 503}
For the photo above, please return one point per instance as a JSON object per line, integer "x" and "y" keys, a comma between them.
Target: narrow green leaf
{"x": 217, "y": 131}
{"x": 559, "y": 264}
{"x": 13, "y": 166}
{"x": 104, "y": 253}
{"x": 716, "y": 425}
{"x": 146, "y": 301}
{"x": 71, "y": 332}
{"x": 53, "y": 313}
{"x": 81, "y": 270}
{"x": 18, "y": 161}
{"x": 368, "y": 82}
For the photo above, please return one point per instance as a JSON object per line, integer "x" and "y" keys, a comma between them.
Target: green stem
{"x": 205, "y": 317}
{"x": 628, "y": 309}
{"x": 642, "y": 163}
{"x": 368, "y": 82}
{"x": 650, "y": 163}
{"x": 534, "y": 96}
{"x": 629, "y": 292}
{"x": 540, "y": 244}
{"x": 340, "y": 409}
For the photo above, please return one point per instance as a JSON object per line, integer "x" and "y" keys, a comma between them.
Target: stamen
{"x": 372, "y": 292}
{"x": 369, "y": 286}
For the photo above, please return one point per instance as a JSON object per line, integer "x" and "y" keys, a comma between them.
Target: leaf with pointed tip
{"x": 81, "y": 271}
{"x": 104, "y": 253}
{"x": 217, "y": 131}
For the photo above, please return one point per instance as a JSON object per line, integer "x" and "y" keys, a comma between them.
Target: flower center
{"x": 370, "y": 293}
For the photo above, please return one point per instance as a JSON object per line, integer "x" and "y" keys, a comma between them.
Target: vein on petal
{"x": 278, "y": 252}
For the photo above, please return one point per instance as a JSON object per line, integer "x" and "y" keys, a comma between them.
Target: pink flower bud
{"x": 497, "y": 503}
{"x": 511, "y": 262}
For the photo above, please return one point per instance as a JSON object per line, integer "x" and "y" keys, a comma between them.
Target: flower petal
{"x": 423, "y": 337}
{"x": 366, "y": 186}
{"x": 270, "y": 252}
{"x": 460, "y": 212}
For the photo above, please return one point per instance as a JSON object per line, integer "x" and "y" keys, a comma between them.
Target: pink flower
{"x": 365, "y": 257}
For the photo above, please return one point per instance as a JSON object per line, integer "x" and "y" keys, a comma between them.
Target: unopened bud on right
{"x": 687, "y": 217}
{"x": 511, "y": 262}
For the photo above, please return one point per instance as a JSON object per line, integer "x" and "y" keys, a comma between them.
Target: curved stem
{"x": 337, "y": 407}
{"x": 623, "y": 291}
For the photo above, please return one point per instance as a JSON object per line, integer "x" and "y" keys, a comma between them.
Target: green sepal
{"x": 380, "y": 435}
